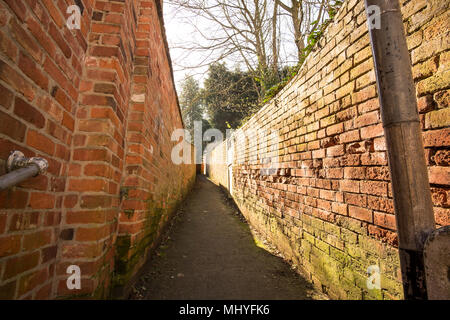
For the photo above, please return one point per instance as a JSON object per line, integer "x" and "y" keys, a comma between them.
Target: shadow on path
{"x": 210, "y": 254}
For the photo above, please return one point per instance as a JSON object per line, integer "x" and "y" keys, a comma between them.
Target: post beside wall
{"x": 402, "y": 128}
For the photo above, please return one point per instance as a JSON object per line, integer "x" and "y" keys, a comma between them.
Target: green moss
{"x": 341, "y": 272}
{"x": 129, "y": 213}
{"x": 123, "y": 245}
{"x": 124, "y": 192}
{"x": 159, "y": 208}
{"x": 128, "y": 257}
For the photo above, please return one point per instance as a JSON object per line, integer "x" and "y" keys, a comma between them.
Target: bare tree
{"x": 244, "y": 31}
{"x": 306, "y": 17}
{"x": 259, "y": 34}
{"x": 275, "y": 40}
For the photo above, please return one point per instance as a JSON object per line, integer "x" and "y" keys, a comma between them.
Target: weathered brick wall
{"x": 40, "y": 75}
{"x": 73, "y": 97}
{"x": 329, "y": 207}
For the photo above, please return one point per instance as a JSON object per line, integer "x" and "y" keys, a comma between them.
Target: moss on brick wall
{"x": 133, "y": 250}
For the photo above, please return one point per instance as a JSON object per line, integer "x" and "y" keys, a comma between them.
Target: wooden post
{"x": 409, "y": 176}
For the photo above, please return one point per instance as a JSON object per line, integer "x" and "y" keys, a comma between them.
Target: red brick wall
{"x": 152, "y": 185}
{"x": 329, "y": 207}
{"x": 68, "y": 96}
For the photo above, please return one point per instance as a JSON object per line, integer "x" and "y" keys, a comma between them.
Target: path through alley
{"x": 211, "y": 254}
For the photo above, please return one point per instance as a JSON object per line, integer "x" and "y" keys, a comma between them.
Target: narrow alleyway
{"x": 211, "y": 254}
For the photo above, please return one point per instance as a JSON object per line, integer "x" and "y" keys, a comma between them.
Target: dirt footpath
{"x": 210, "y": 254}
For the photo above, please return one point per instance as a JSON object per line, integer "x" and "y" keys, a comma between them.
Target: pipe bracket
{"x": 18, "y": 160}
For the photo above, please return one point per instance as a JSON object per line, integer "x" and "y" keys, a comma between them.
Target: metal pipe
{"x": 409, "y": 175}
{"x": 20, "y": 168}
{"x": 13, "y": 178}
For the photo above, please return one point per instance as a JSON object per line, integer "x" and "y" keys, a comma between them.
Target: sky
{"x": 179, "y": 29}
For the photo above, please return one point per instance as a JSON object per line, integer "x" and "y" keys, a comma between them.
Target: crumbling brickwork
{"x": 100, "y": 105}
{"x": 329, "y": 206}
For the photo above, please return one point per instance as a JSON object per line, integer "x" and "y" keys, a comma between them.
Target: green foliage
{"x": 229, "y": 96}
{"x": 290, "y": 72}
{"x": 191, "y": 102}
{"x": 192, "y": 106}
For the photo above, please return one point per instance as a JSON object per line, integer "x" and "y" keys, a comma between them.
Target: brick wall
{"x": 217, "y": 169}
{"x": 100, "y": 105}
{"x": 152, "y": 185}
{"x": 329, "y": 206}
